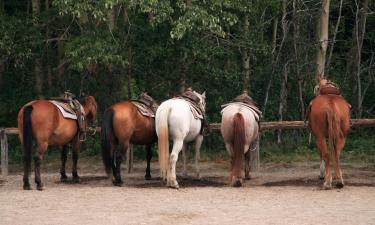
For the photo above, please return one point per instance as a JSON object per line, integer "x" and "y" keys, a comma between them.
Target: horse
{"x": 42, "y": 120}
{"x": 240, "y": 131}
{"x": 123, "y": 125}
{"x": 329, "y": 119}
{"x": 175, "y": 121}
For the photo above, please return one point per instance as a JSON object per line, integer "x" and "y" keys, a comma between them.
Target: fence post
{"x": 4, "y": 153}
{"x": 129, "y": 159}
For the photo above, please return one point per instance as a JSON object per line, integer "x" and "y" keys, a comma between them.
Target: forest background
{"x": 117, "y": 49}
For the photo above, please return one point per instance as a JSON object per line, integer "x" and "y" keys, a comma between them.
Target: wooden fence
{"x": 214, "y": 126}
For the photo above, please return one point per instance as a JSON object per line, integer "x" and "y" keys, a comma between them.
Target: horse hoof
{"x": 63, "y": 178}
{"x": 327, "y": 187}
{"x": 237, "y": 183}
{"x": 321, "y": 178}
{"x": 248, "y": 177}
{"x": 339, "y": 185}
{"x": 39, "y": 187}
{"x": 174, "y": 186}
{"x": 118, "y": 183}
{"x": 147, "y": 177}
{"x": 26, "y": 187}
{"x": 76, "y": 179}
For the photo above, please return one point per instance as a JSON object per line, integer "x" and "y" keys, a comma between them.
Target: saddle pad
{"x": 257, "y": 113}
{"x": 194, "y": 108}
{"x": 65, "y": 110}
{"x": 143, "y": 109}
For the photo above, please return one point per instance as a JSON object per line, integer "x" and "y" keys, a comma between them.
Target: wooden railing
{"x": 214, "y": 126}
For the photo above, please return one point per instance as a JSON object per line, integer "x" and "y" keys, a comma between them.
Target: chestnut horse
{"x": 123, "y": 125}
{"x": 329, "y": 120}
{"x": 42, "y": 120}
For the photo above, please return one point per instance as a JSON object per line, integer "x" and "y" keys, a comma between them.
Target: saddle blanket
{"x": 65, "y": 109}
{"x": 143, "y": 109}
{"x": 195, "y": 110}
{"x": 257, "y": 113}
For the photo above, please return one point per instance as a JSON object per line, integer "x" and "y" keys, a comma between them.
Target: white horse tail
{"x": 163, "y": 141}
{"x": 238, "y": 144}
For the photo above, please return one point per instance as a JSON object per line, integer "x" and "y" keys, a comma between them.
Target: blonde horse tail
{"x": 334, "y": 130}
{"x": 238, "y": 144}
{"x": 163, "y": 141}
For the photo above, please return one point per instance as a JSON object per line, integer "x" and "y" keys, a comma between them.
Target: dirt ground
{"x": 281, "y": 193}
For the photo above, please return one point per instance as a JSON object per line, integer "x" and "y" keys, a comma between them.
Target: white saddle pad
{"x": 64, "y": 112}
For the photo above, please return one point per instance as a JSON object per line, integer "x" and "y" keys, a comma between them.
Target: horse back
{"x": 48, "y": 124}
{"x": 130, "y": 125}
{"x": 227, "y": 123}
{"x": 321, "y": 106}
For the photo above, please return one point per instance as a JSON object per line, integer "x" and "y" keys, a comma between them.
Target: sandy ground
{"x": 277, "y": 194}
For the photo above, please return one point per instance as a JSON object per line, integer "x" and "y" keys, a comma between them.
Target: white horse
{"x": 175, "y": 120}
{"x": 239, "y": 128}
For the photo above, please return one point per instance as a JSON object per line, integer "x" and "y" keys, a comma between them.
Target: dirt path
{"x": 278, "y": 194}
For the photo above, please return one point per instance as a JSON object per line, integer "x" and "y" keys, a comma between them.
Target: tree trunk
{"x": 184, "y": 69}
{"x": 284, "y": 79}
{"x": 333, "y": 40}
{"x": 130, "y": 73}
{"x": 274, "y": 37}
{"x": 283, "y": 99}
{"x": 360, "y": 29}
{"x": 245, "y": 54}
{"x": 61, "y": 66}
{"x": 38, "y": 67}
{"x": 300, "y": 77}
{"x": 111, "y": 18}
{"x": 323, "y": 39}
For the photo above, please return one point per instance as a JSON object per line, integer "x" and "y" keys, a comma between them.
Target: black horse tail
{"x": 27, "y": 137}
{"x": 105, "y": 136}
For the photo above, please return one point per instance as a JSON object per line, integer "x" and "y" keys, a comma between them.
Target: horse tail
{"x": 105, "y": 137}
{"x": 27, "y": 136}
{"x": 238, "y": 144}
{"x": 163, "y": 140}
{"x": 334, "y": 129}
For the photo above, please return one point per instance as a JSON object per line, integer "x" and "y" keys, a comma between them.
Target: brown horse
{"x": 123, "y": 125}
{"x": 329, "y": 119}
{"x": 42, "y": 120}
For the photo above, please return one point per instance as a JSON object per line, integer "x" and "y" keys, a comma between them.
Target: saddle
{"x": 146, "y": 105}
{"x": 195, "y": 108}
{"x": 193, "y": 101}
{"x": 72, "y": 106}
{"x": 245, "y": 100}
{"x": 330, "y": 88}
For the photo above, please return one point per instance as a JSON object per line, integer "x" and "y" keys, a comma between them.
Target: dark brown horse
{"x": 123, "y": 125}
{"x": 329, "y": 120}
{"x": 42, "y": 121}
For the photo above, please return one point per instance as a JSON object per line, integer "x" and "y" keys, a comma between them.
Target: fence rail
{"x": 214, "y": 126}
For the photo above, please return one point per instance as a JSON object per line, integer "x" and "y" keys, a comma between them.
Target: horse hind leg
{"x": 171, "y": 177}
{"x": 64, "y": 157}
{"x": 184, "y": 148}
{"x": 338, "y": 173}
{"x": 76, "y": 146}
{"x": 322, "y": 168}
{"x": 247, "y": 165}
{"x": 148, "y": 157}
{"x": 119, "y": 154}
{"x": 198, "y": 144}
{"x": 322, "y": 146}
{"x": 42, "y": 148}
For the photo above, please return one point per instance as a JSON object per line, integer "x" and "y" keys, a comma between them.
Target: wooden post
{"x": 4, "y": 153}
